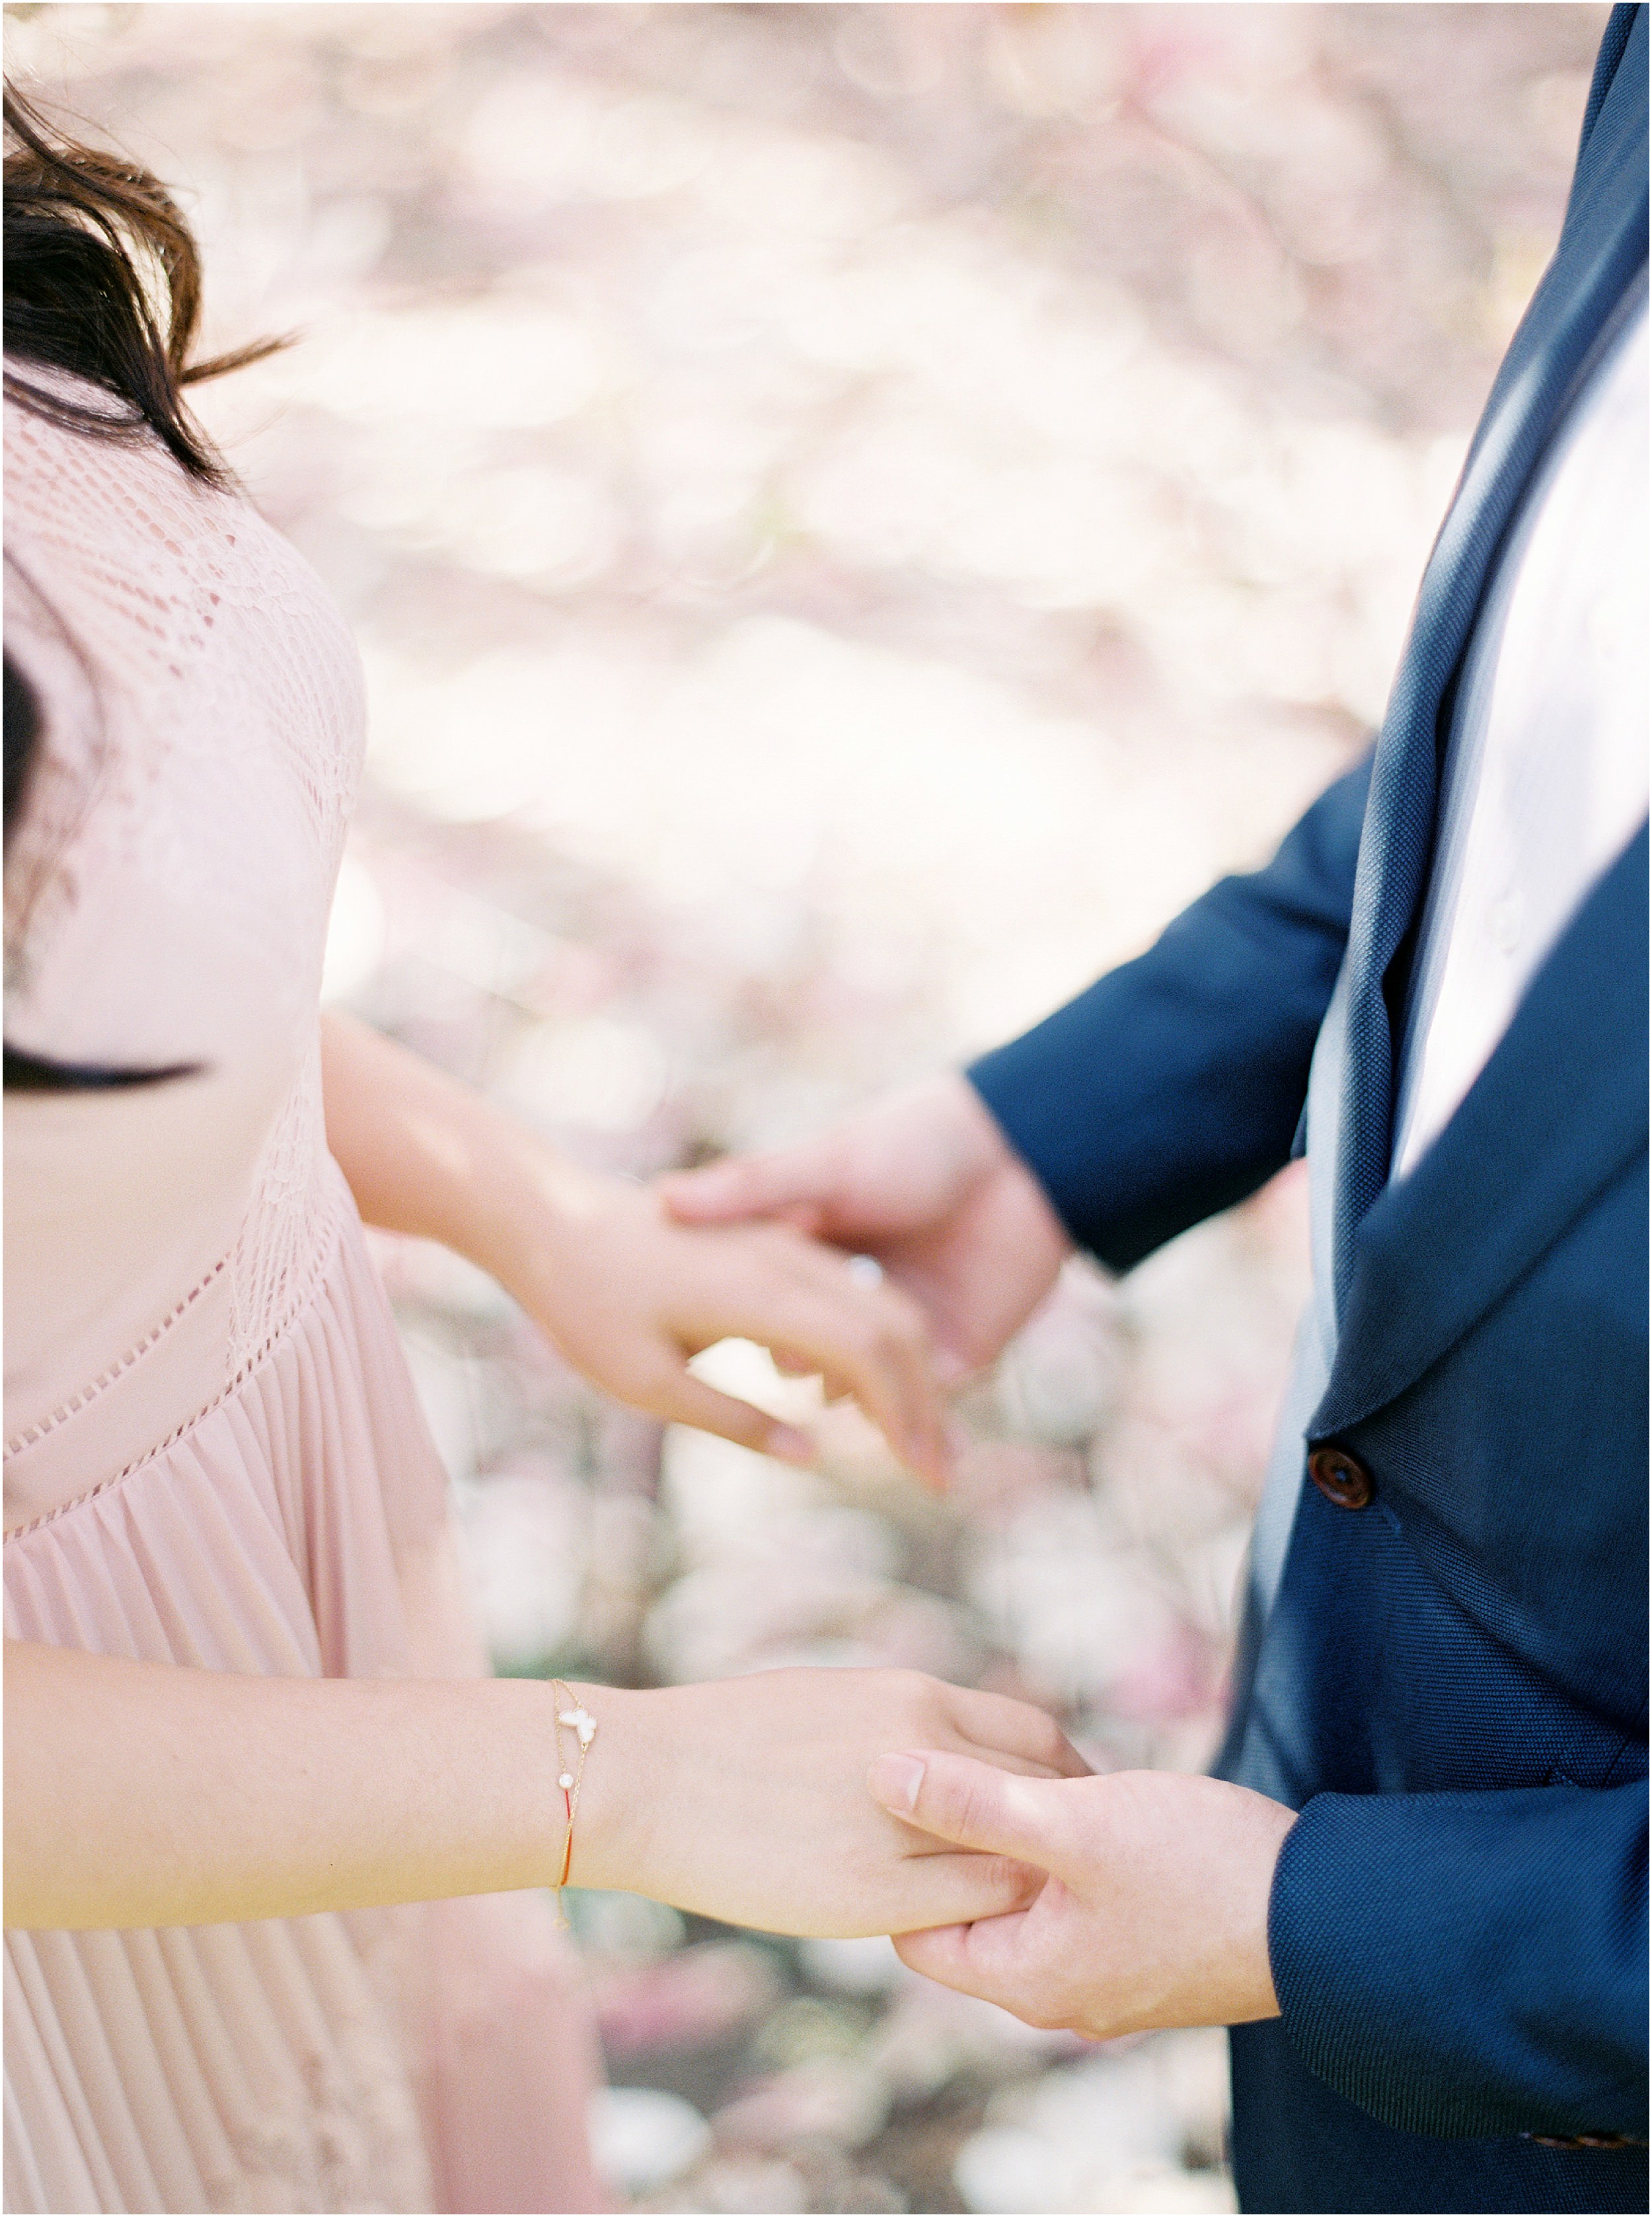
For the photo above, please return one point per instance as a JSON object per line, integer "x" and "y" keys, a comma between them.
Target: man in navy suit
{"x": 1417, "y": 1887}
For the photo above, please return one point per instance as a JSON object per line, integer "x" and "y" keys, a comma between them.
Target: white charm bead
{"x": 566, "y": 1780}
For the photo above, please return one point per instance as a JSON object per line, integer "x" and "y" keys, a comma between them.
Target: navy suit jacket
{"x": 1451, "y": 1685}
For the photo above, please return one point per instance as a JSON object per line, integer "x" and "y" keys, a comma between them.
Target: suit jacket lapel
{"x": 1602, "y": 248}
{"x": 1555, "y": 1113}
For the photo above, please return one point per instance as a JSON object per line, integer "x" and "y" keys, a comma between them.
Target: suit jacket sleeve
{"x": 1173, "y": 1087}
{"x": 1470, "y": 1964}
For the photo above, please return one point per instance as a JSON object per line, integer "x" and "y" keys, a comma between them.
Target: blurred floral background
{"x": 852, "y": 514}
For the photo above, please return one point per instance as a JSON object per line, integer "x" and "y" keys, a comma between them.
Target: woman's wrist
{"x": 427, "y": 1155}
{"x": 238, "y": 1797}
{"x": 610, "y": 1833}
{"x": 527, "y": 1209}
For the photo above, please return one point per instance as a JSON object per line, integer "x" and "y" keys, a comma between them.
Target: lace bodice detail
{"x": 169, "y": 625}
{"x": 167, "y": 890}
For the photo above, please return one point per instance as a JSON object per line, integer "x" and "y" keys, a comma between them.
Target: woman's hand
{"x": 746, "y": 1799}
{"x": 234, "y": 1798}
{"x": 628, "y": 1295}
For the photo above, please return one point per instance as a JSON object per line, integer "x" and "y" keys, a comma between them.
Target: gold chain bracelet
{"x": 571, "y": 1776}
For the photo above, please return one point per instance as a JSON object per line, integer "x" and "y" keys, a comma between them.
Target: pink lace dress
{"x": 214, "y": 1455}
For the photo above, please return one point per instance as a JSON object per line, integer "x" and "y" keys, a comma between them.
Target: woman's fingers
{"x": 874, "y": 1337}
{"x": 811, "y": 1349}
{"x": 809, "y": 1337}
{"x": 857, "y": 1351}
{"x": 805, "y": 1302}
{"x": 950, "y": 1888}
{"x": 1002, "y": 1729}
{"x": 679, "y": 1398}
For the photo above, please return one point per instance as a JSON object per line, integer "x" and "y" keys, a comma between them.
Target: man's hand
{"x": 626, "y": 1293}
{"x": 1155, "y": 1912}
{"x": 928, "y": 1184}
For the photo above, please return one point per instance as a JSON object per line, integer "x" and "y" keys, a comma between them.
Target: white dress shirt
{"x": 1546, "y": 780}
{"x": 1545, "y": 775}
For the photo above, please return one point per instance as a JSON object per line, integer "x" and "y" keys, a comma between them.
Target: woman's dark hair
{"x": 102, "y": 280}
{"x": 35, "y": 1073}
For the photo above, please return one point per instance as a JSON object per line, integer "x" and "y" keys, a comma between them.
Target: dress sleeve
{"x": 1470, "y": 1964}
{"x": 1173, "y": 1087}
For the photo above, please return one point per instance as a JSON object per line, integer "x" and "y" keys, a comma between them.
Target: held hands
{"x": 926, "y": 1184}
{"x": 631, "y": 1284}
{"x": 629, "y": 1296}
{"x": 1153, "y": 1913}
{"x": 626, "y": 1293}
{"x": 746, "y": 1799}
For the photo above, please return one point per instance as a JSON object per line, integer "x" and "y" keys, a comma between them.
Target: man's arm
{"x": 1463, "y": 1965}
{"x": 1154, "y": 1913}
{"x": 1168, "y": 1091}
{"x": 1173, "y": 1087}
{"x": 1488, "y": 1974}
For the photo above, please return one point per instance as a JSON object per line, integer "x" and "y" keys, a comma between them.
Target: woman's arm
{"x": 140, "y": 1794}
{"x": 627, "y": 1294}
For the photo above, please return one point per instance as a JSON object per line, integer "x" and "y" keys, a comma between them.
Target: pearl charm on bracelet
{"x": 582, "y": 1723}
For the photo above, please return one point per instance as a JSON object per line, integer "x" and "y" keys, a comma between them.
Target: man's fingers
{"x": 743, "y": 1186}
{"x": 939, "y": 1954}
{"x": 971, "y": 1804}
{"x": 987, "y": 1958}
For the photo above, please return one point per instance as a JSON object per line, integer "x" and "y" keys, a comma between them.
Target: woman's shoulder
{"x": 201, "y": 696}
{"x": 163, "y": 580}
{"x": 83, "y": 502}
{"x": 53, "y": 419}
{"x": 109, "y": 538}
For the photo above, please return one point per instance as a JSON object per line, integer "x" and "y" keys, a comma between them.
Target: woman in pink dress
{"x": 271, "y": 1831}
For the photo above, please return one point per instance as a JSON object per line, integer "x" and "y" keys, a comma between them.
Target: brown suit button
{"x": 1340, "y": 1477}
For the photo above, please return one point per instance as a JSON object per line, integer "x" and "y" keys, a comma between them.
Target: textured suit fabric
{"x": 1603, "y": 247}
{"x": 1175, "y": 1085}
{"x": 1451, "y": 1684}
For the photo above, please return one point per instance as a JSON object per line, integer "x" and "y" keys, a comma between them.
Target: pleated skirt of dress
{"x": 439, "y": 2056}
